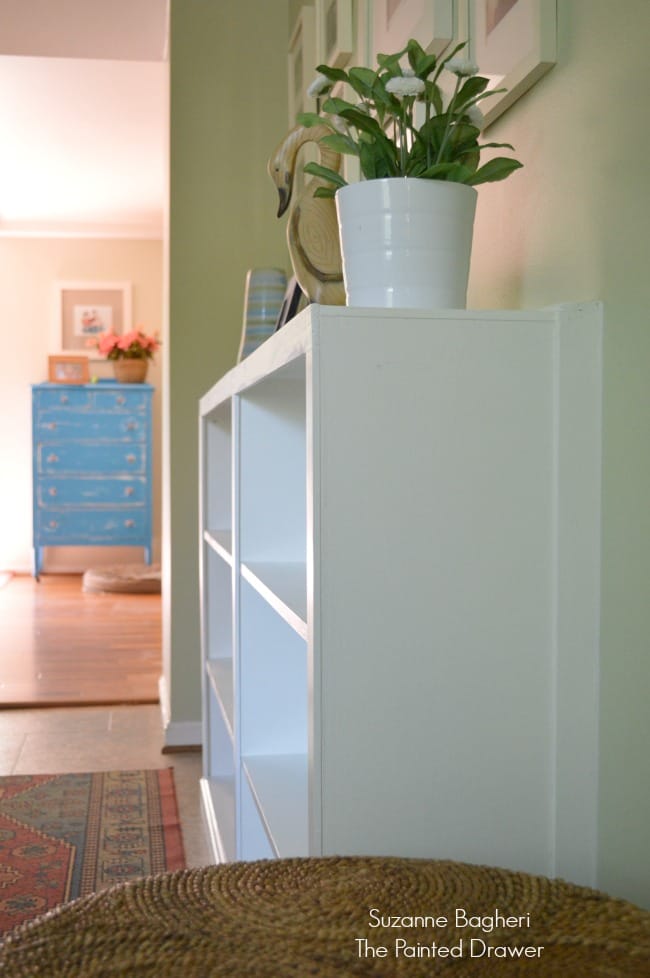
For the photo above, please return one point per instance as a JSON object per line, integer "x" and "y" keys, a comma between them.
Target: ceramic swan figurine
{"x": 312, "y": 227}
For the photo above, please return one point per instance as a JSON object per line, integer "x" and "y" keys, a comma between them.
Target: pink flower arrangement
{"x": 134, "y": 345}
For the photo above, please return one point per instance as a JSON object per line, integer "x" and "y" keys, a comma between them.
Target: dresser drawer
{"x": 121, "y": 400}
{"x": 87, "y": 491}
{"x": 70, "y": 398}
{"x": 78, "y": 527}
{"x": 58, "y": 423}
{"x": 59, "y": 457}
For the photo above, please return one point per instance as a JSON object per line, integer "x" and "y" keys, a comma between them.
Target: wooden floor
{"x": 62, "y": 647}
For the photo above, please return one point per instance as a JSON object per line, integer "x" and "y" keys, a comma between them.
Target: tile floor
{"x": 103, "y": 738}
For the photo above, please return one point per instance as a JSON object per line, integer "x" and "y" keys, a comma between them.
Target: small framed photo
{"x": 68, "y": 370}
{"x": 514, "y": 43}
{"x": 431, "y": 22}
{"x": 86, "y": 310}
{"x": 334, "y": 32}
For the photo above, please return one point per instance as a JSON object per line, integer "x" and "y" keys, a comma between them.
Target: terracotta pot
{"x": 130, "y": 371}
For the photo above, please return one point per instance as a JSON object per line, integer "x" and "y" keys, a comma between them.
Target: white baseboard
{"x": 178, "y": 734}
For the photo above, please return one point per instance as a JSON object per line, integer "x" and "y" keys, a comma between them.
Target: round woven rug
{"x": 336, "y": 916}
{"x": 122, "y": 579}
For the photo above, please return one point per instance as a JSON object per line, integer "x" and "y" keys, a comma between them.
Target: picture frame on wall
{"x": 86, "y": 310}
{"x": 431, "y": 22}
{"x": 301, "y": 63}
{"x": 68, "y": 369}
{"x": 334, "y": 32}
{"x": 514, "y": 43}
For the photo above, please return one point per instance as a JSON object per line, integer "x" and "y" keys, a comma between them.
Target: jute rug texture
{"x": 329, "y": 917}
{"x": 65, "y": 836}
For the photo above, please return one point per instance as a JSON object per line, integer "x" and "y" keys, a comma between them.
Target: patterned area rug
{"x": 65, "y": 836}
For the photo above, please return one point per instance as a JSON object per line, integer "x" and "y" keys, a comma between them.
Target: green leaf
{"x": 361, "y": 121}
{"x": 415, "y": 53}
{"x": 378, "y": 159}
{"x": 328, "y": 192}
{"x": 471, "y": 88}
{"x": 362, "y": 81}
{"x": 340, "y": 143}
{"x": 333, "y": 74}
{"x": 451, "y": 172}
{"x": 497, "y": 169}
{"x": 309, "y": 119}
{"x": 390, "y": 62}
{"x": 324, "y": 172}
{"x": 497, "y": 146}
{"x": 337, "y": 106}
{"x": 421, "y": 62}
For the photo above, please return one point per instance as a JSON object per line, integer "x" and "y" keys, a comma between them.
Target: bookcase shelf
{"x": 400, "y": 519}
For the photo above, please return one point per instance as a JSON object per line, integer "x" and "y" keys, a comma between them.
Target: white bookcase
{"x": 400, "y": 526}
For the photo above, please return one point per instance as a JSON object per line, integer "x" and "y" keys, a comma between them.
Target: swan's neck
{"x": 303, "y": 134}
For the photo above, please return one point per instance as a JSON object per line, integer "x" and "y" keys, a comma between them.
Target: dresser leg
{"x": 38, "y": 562}
{"x": 147, "y": 555}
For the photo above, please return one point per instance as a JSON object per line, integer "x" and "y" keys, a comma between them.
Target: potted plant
{"x": 406, "y": 227}
{"x": 130, "y": 353}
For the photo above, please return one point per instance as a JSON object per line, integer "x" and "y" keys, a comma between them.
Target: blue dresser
{"x": 92, "y": 466}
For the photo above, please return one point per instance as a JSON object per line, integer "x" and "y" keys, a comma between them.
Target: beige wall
{"x": 29, "y": 267}
{"x": 228, "y": 111}
{"x": 574, "y": 224}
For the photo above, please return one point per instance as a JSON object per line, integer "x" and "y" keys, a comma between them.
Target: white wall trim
{"x": 177, "y": 733}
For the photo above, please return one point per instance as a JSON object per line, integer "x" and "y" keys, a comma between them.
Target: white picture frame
{"x": 431, "y": 22}
{"x": 334, "y": 32}
{"x": 514, "y": 43}
{"x": 301, "y": 63}
{"x": 83, "y": 311}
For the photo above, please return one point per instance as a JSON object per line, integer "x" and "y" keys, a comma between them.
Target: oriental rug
{"x": 66, "y": 836}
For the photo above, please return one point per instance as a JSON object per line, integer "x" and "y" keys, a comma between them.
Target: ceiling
{"x": 83, "y": 116}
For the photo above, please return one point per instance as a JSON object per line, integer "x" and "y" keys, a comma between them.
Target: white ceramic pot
{"x": 406, "y": 242}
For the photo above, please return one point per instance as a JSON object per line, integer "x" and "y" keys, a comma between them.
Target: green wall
{"x": 228, "y": 110}
{"x": 574, "y": 224}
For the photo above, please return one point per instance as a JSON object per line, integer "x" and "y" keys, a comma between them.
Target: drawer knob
{"x": 52, "y": 458}
{"x": 129, "y": 491}
{"x": 130, "y": 458}
{"x": 53, "y": 524}
{"x": 129, "y": 523}
{"x": 120, "y": 399}
{"x": 64, "y": 398}
{"x": 51, "y": 491}
{"x": 131, "y": 426}
{"x": 50, "y": 425}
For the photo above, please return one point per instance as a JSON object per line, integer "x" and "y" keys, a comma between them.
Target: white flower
{"x": 475, "y": 116}
{"x": 462, "y": 67}
{"x": 404, "y": 85}
{"x": 318, "y": 86}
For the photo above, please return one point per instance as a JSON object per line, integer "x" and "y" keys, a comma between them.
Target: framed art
{"x": 514, "y": 43}
{"x": 68, "y": 370}
{"x": 302, "y": 63}
{"x": 334, "y": 32}
{"x": 86, "y": 310}
{"x": 431, "y": 22}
